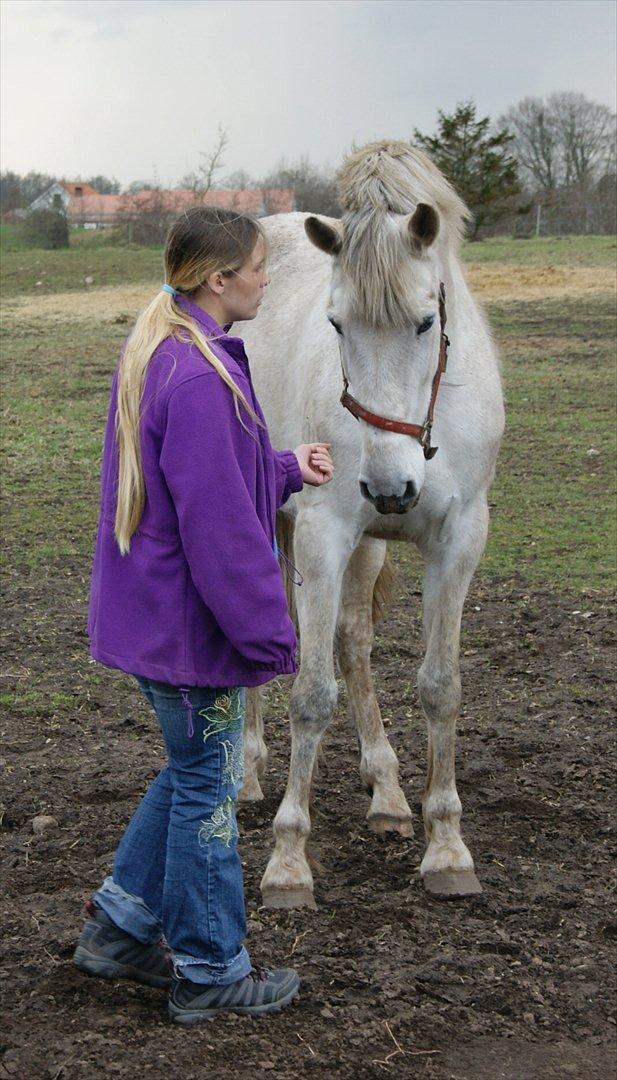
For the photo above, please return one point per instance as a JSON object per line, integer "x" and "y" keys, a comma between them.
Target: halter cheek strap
{"x": 421, "y": 432}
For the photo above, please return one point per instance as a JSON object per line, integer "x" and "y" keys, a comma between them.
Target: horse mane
{"x": 374, "y": 183}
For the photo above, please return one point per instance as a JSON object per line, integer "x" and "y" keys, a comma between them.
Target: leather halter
{"x": 422, "y": 432}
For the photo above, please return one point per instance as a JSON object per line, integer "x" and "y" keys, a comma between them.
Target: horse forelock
{"x": 395, "y": 177}
{"x": 375, "y": 183}
{"x": 377, "y": 267}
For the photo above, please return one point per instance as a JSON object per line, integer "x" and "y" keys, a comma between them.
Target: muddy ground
{"x": 513, "y": 984}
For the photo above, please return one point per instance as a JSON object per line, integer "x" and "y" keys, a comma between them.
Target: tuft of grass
{"x": 33, "y": 700}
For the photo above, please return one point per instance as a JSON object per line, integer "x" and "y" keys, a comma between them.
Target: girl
{"x": 187, "y": 596}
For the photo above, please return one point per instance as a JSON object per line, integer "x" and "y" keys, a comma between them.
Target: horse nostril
{"x": 401, "y": 501}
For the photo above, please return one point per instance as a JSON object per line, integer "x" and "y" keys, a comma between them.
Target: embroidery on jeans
{"x": 221, "y": 826}
{"x": 225, "y": 715}
{"x": 233, "y": 769}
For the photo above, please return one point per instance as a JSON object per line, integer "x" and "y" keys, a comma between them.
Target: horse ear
{"x": 422, "y": 226}
{"x": 325, "y": 233}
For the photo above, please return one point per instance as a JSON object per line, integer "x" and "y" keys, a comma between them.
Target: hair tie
{"x": 169, "y": 289}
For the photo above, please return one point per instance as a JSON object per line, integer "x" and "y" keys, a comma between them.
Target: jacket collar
{"x": 234, "y": 346}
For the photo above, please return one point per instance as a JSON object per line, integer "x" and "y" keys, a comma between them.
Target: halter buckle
{"x": 425, "y": 442}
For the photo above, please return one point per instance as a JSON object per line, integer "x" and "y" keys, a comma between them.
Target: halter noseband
{"x": 417, "y": 431}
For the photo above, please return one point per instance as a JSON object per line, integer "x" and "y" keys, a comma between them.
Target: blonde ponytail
{"x": 161, "y": 319}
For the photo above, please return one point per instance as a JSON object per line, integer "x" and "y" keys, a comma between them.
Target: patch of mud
{"x": 512, "y": 984}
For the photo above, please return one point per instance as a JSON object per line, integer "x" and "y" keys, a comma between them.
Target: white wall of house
{"x": 46, "y": 200}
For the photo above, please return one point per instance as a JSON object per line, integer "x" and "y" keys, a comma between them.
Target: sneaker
{"x": 259, "y": 992}
{"x": 105, "y": 950}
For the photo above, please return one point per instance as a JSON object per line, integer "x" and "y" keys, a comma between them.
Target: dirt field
{"x": 513, "y": 984}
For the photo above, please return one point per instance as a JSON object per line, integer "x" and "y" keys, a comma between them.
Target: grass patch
{"x": 552, "y": 504}
{"x": 67, "y": 269}
{"x": 553, "y": 516}
{"x": 544, "y": 251}
{"x": 35, "y": 700}
{"x": 91, "y": 255}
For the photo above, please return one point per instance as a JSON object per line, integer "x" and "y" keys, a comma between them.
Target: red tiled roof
{"x": 86, "y": 189}
{"x": 245, "y": 201}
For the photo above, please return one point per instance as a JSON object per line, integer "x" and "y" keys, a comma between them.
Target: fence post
{"x": 538, "y": 218}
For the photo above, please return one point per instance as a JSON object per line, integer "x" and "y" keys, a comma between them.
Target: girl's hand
{"x": 315, "y": 463}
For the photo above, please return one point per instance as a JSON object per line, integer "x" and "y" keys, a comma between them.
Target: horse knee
{"x": 312, "y": 706}
{"x": 440, "y": 691}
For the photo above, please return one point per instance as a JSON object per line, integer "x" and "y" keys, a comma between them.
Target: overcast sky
{"x": 136, "y": 88}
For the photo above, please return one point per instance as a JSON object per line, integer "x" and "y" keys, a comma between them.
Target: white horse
{"x": 363, "y": 294}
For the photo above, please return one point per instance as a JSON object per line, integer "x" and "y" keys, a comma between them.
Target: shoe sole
{"x": 196, "y": 1016}
{"x": 111, "y": 969}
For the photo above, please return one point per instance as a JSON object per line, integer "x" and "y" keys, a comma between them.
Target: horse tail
{"x": 285, "y": 539}
{"x": 384, "y": 589}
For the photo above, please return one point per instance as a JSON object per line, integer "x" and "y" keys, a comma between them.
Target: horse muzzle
{"x": 392, "y": 504}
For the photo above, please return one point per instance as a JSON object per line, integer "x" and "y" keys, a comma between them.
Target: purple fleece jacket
{"x": 199, "y": 600}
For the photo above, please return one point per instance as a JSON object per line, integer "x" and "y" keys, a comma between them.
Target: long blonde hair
{"x": 202, "y": 241}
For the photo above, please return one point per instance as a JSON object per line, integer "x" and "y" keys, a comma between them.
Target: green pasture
{"x": 28, "y": 271}
{"x": 544, "y": 251}
{"x": 35, "y": 271}
{"x": 553, "y": 503}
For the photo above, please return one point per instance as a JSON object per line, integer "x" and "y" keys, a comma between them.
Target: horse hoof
{"x": 251, "y": 792}
{"x": 451, "y": 884}
{"x": 289, "y": 898}
{"x": 383, "y": 823}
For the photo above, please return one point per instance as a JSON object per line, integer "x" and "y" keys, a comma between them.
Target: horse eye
{"x": 426, "y": 324}
{"x": 337, "y": 326}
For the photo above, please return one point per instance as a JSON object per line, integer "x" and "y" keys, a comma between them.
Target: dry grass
{"x": 502, "y": 281}
{"x": 109, "y": 304}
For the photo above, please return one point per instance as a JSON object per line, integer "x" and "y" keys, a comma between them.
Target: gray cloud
{"x": 127, "y": 86}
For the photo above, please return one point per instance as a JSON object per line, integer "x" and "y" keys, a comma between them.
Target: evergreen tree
{"x": 476, "y": 161}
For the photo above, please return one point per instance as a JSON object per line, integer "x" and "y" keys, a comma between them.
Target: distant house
{"x": 61, "y": 194}
{"x": 84, "y": 206}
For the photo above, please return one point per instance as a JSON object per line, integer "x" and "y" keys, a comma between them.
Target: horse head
{"x": 385, "y": 308}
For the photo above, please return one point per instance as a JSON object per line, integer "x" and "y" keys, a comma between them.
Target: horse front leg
{"x": 255, "y": 749}
{"x": 389, "y": 810}
{"x": 447, "y": 867}
{"x": 320, "y": 555}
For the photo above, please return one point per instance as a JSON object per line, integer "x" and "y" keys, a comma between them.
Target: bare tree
{"x": 563, "y": 140}
{"x": 203, "y": 178}
{"x": 314, "y": 187}
{"x": 586, "y": 133}
{"x": 535, "y": 141}
{"x": 239, "y": 180}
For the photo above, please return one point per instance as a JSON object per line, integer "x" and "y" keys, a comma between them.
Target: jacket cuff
{"x": 294, "y": 472}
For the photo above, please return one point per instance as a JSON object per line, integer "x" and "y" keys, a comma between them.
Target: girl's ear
{"x": 216, "y": 282}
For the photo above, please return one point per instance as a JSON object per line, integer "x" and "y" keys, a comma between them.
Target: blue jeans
{"x": 177, "y": 871}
